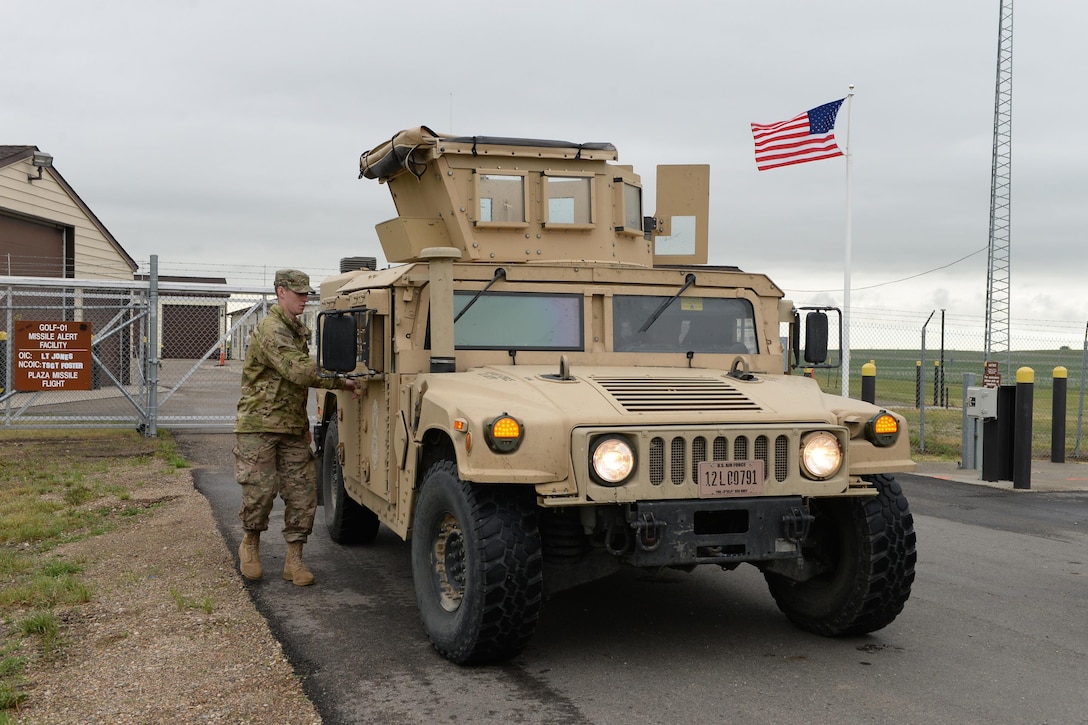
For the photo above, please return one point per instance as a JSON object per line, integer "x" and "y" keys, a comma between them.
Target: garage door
{"x": 28, "y": 249}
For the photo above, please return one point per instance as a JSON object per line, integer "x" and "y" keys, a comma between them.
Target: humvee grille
{"x": 637, "y": 395}
{"x": 676, "y": 469}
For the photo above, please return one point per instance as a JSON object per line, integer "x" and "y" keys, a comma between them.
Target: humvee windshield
{"x": 688, "y": 324}
{"x": 555, "y": 321}
{"x": 519, "y": 321}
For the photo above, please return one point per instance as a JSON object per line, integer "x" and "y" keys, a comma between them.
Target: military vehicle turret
{"x": 555, "y": 385}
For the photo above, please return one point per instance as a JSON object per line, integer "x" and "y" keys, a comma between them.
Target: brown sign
{"x": 991, "y": 376}
{"x": 52, "y": 356}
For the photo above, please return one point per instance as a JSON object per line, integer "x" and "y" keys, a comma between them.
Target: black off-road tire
{"x": 477, "y": 566}
{"x": 347, "y": 521}
{"x": 867, "y": 550}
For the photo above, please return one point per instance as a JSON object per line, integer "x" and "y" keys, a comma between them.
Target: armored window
{"x": 628, "y": 207}
{"x": 502, "y": 199}
{"x": 568, "y": 200}
{"x": 519, "y": 321}
{"x": 687, "y": 324}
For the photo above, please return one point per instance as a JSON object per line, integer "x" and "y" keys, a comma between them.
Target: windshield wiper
{"x": 688, "y": 281}
{"x": 500, "y": 273}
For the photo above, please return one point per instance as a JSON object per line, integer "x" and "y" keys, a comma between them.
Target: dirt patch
{"x": 170, "y": 634}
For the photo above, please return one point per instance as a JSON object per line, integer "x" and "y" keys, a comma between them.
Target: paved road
{"x": 996, "y": 631}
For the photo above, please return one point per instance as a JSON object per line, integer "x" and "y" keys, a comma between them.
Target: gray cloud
{"x": 224, "y": 136}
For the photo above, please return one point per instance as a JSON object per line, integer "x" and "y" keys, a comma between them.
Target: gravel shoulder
{"x": 170, "y": 635}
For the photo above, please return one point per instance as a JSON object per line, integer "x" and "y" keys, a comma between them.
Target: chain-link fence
{"x": 157, "y": 354}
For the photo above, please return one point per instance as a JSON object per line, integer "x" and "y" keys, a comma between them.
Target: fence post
{"x": 969, "y": 430}
{"x": 1057, "y": 424}
{"x": 936, "y": 383}
{"x": 917, "y": 383}
{"x": 1021, "y": 435}
{"x": 868, "y": 382}
{"x": 1080, "y": 405}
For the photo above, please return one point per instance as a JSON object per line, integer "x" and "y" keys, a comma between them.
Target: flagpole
{"x": 845, "y": 342}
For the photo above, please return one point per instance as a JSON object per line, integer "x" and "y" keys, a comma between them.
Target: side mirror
{"x": 337, "y": 341}
{"x": 816, "y": 337}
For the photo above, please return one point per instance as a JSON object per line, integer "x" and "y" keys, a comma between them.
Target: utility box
{"x": 982, "y": 402}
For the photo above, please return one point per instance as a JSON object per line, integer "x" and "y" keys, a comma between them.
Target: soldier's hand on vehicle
{"x": 351, "y": 385}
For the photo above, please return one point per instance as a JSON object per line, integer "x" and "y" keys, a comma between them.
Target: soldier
{"x": 272, "y": 449}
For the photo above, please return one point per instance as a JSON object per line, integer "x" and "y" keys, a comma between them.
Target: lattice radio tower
{"x": 997, "y": 277}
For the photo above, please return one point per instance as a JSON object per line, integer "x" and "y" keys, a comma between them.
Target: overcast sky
{"x": 224, "y": 136}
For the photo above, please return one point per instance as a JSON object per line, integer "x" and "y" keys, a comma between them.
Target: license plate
{"x": 723, "y": 479}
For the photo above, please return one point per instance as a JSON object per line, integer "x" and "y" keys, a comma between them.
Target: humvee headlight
{"x": 503, "y": 434}
{"x": 612, "y": 460}
{"x": 821, "y": 455}
{"x": 882, "y": 429}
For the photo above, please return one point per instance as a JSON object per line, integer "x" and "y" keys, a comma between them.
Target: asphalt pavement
{"x": 994, "y": 631}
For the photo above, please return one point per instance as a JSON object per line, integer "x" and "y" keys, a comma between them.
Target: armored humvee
{"x": 555, "y": 386}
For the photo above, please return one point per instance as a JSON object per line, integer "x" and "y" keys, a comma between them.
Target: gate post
{"x": 153, "y": 348}
{"x": 3, "y": 360}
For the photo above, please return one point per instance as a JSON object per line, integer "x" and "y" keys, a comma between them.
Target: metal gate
{"x": 163, "y": 353}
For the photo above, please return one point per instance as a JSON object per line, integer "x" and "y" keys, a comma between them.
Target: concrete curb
{"x": 1045, "y": 475}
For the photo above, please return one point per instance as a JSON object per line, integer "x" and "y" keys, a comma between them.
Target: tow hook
{"x": 617, "y": 538}
{"x": 648, "y": 531}
{"x": 796, "y": 524}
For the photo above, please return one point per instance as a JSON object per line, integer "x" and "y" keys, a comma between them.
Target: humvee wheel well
{"x": 328, "y": 413}
{"x": 436, "y": 447}
{"x": 328, "y": 409}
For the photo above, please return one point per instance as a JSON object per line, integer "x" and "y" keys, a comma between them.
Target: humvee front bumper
{"x": 718, "y": 531}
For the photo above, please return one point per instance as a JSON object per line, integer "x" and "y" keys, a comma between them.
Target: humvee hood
{"x": 628, "y": 395}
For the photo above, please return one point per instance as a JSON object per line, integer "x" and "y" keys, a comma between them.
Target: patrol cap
{"x": 294, "y": 280}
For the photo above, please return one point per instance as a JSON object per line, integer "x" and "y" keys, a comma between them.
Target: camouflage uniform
{"x": 272, "y": 449}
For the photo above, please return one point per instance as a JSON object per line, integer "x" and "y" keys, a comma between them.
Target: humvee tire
{"x": 865, "y": 549}
{"x": 347, "y": 521}
{"x": 477, "y": 566}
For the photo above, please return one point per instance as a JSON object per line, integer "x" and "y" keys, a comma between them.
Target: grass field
{"x": 57, "y": 487}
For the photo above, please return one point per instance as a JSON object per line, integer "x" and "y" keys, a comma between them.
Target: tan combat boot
{"x": 249, "y": 555}
{"x": 293, "y": 569}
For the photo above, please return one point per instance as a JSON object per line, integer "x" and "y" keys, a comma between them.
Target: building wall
{"x": 47, "y": 201}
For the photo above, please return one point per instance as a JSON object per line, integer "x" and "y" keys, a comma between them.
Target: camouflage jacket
{"x": 277, "y": 377}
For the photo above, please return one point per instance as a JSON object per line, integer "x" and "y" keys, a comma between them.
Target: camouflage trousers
{"x": 271, "y": 464}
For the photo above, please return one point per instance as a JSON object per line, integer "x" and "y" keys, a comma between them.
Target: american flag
{"x": 807, "y": 137}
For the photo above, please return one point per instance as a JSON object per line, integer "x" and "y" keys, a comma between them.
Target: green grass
{"x": 43, "y": 624}
{"x": 204, "y": 604}
{"x": 57, "y": 487}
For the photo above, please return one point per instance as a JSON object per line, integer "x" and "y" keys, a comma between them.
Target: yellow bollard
{"x": 868, "y": 382}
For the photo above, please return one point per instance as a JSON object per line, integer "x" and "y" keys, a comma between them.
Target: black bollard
{"x": 1057, "y": 425}
{"x": 868, "y": 382}
{"x": 1021, "y": 436}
